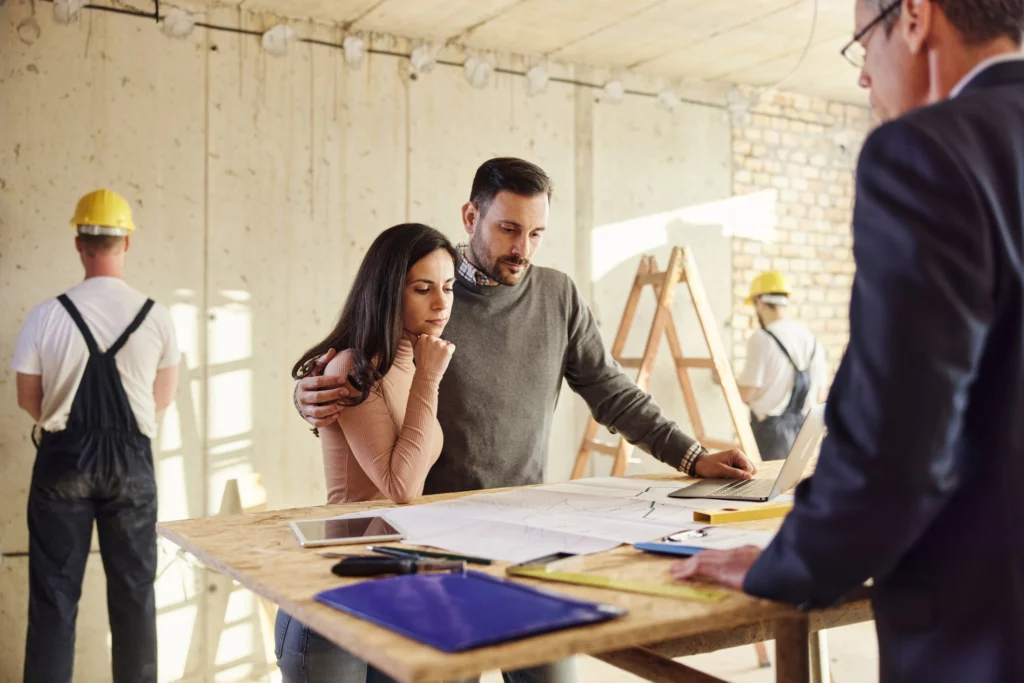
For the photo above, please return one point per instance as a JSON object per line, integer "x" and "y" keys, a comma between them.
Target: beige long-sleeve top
{"x": 383, "y": 447}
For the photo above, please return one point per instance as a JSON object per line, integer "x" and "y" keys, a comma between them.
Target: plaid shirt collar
{"x": 468, "y": 272}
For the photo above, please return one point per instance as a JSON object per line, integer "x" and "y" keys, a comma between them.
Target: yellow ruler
{"x": 665, "y": 591}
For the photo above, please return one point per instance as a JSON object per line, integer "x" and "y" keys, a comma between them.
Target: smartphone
{"x": 313, "y": 533}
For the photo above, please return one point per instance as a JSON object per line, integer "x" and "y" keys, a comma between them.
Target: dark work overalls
{"x": 99, "y": 468}
{"x": 775, "y": 434}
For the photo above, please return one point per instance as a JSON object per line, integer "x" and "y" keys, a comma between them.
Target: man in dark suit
{"x": 919, "y": 481}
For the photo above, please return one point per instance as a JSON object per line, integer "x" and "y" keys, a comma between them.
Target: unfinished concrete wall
{"x": 258, "y": 183}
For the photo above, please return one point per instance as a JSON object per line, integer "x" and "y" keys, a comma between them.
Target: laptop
{"x": 760, "y": 490}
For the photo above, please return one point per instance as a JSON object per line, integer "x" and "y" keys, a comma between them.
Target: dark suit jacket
{"x": 920, "y": 483}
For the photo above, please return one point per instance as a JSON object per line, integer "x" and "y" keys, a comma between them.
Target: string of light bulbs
{"x": 177, "y": 23}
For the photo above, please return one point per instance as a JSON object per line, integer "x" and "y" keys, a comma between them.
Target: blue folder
{"x": 463, "y": 611}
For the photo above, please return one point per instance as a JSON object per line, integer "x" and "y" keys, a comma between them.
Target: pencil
{"x": 406, "y": 553}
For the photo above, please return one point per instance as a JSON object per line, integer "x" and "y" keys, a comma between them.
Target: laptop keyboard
{"x": 755, "y": 488}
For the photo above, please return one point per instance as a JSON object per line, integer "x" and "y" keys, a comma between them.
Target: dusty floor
{"x": 852, "y": 652}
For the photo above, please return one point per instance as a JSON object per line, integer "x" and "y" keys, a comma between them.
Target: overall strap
{"x": 143, "y": 312}
{"x": 792, "y": 362}
{"x": 82, "y": 327}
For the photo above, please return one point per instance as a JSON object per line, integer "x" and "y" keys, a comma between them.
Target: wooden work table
{"x": 259, "y": 551}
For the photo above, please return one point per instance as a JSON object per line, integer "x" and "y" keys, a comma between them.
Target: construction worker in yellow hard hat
{"x": 103, "y": 212}
{"x": 785, "y": 368}
{"x": 95, "y": 367}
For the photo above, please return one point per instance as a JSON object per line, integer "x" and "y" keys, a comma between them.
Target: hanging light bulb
{"x": 537, "y": 80}
{"x": 277, "y": 39}
{"x": 66, "y": 10}
{"x": 668, "y": 100}
{"x": 422, "y": 60}
{"x": 355, "y": 50}
{"x": 614, "y": 92}
{"x": 177, "y": 23}
{"x": 478, "y": 71}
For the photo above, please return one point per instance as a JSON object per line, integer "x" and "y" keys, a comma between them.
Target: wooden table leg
{"x": 652, "y": 667}
{"x": 819, "y": 658}
{"x": 792, "y": 651}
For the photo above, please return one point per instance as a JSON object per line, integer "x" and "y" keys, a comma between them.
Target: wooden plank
{"x": 721, "y": 360}
{"x": 706, "y": 363}
{"x": 857, "y": 611}
{"x": 792, "y": 654}
{"x": 665, "y": 295}
{"x": 682, "y": 363}
{"x": 621, "y": 458}
{"x": 719, "y": 444}
{"x": 583, "y": 455}
{"x": 602, "y": 447}
{"x": 652, "y": 667}
{"x": 259, "y": 551}
{"x": 682, "y": 373}
{"x": 655, "y": 277}
{"x": 630, "y": 311}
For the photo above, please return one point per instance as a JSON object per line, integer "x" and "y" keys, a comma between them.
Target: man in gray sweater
{"x": 519, "y": 330}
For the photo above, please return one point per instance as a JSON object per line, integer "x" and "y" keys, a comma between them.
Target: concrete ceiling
{"x": 754, "y": 42}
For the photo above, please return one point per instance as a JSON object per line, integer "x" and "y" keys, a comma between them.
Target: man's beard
{"x": 492, "y": 267}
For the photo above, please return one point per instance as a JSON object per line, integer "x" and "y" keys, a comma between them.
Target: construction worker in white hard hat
{"x": 785, "y": 369}
{"x": 95, "y": 367}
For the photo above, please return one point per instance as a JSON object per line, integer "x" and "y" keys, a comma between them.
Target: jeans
{"x": 306, "y": 657}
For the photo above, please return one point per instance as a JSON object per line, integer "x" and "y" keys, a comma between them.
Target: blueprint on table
{"x": 580, "y": 517}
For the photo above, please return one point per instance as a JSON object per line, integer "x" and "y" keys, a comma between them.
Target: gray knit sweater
{"x": 514, "y": 344}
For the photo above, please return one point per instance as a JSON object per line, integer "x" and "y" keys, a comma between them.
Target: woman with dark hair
{"x": 387, "y": 438}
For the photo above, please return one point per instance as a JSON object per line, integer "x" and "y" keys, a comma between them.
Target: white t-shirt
{"x": 51, "y": 345}
{"x": 769, "y": 370}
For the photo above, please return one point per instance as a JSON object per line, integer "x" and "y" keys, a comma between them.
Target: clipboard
{"x": 463, "y": 611}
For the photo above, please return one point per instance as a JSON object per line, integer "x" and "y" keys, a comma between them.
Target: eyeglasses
{"x": 855, "y": 52}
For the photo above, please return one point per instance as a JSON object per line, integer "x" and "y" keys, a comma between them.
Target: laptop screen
{"x": 803, "y": 448}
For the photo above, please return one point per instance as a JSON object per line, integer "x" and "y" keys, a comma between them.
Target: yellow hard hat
{"x": 103, "y": 212}
{"x": 770, "y": 282}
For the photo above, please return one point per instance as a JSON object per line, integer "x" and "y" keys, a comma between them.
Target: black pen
{"x": 372, "y": 565}
{"x": 409, "y": 554}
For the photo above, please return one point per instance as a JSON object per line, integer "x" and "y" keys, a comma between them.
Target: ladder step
{"x": 651, "y": 278}
{"x": 696, "y": 363}
{"x": 717, "y": 444}
{"x": 634, "y": 363}
{"x": 603, "y": 447}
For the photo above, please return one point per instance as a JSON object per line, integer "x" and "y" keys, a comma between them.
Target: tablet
{"x": 318, "y": 532}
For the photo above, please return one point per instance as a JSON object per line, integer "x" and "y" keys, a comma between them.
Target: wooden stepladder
{"x": 681, "y": 269}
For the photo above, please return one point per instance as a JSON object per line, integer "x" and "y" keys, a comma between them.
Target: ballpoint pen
{"x": 409, "y": 553}
{"x": 372, "y": 565}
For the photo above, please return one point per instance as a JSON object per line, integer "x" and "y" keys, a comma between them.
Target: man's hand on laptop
{"x": 316, "y": 396}
{"x": 726, "y": 567}
{"x": 731, "y": 464}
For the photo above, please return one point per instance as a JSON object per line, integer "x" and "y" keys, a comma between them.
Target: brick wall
{"x": 803, "y": 151}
